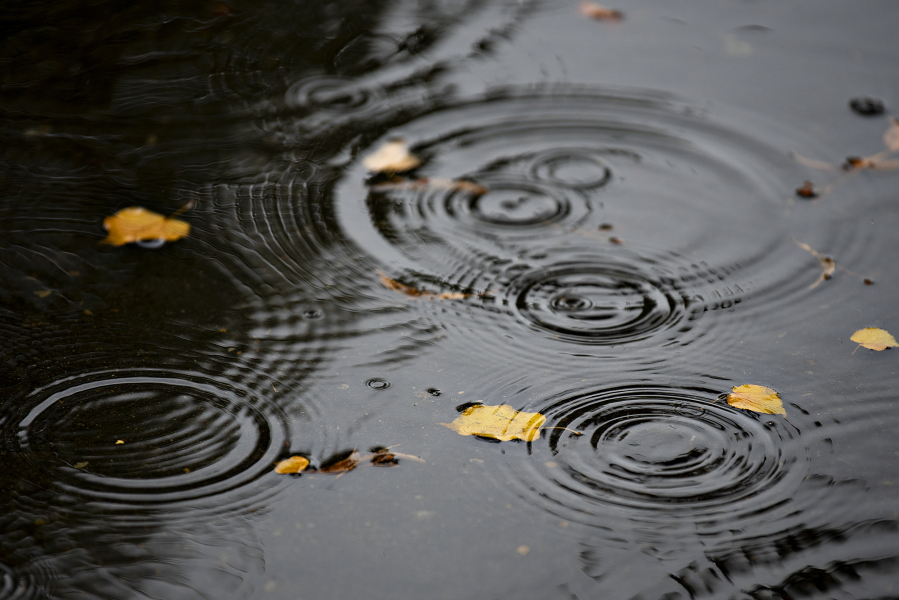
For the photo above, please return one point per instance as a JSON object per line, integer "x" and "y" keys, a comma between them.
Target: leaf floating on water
{"x": 756, "y": 398}
{"x": 874, "y": 338}
{"x": 396, "y": 286}
{"x": 343, "y": 466}
{"x": 136, "y": 224}
{"x": 807, "y": 190}
{"x": 501, "y": 422}
{"x": 891, "y": 135}
{"x": 294, "y": 464}
{"x": 392, "y": 157}
{"x": 828, "y": 265}
{"x": 599, "y": 12}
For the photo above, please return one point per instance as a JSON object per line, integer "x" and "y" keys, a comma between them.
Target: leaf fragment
{"x": 137, "y": 224}
{"x": 756, "y": 398}
{"x": 408, "y": 290}
{"x": 599, "y": 12}
{"x": 828, "y": 265}
{"x": 807, "y": 190}
{"x": 874, "y": 338}
{"x": 392, "y": 157}
{"x": 343, "y": 466}
{"x": 891, "y": 135}
{"x": 294, "y": 464}
{"x": 501, "y": 422}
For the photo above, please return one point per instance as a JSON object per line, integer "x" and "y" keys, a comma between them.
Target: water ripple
{"x": 152, "y": 440}
{"x": 659, "y": 455}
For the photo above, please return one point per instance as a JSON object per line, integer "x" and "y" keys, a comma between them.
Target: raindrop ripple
{"x": 660, "y": 454}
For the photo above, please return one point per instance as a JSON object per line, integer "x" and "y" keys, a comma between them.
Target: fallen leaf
{"x": 599, "y": 12}
{"x": 498, "y": 422}
{"x": 43, "y": 293}
{"x": 891, "y": 135}
{"x": 806, "y": 190}
{"x": 756, "y": 398}
{"x": 396, "y": 286}
{"x": 294, "y": 464}
{"x": 385, "y": 457}
{"x": 828, "y": 265}
{"x": 392, "y": 157}
{"x": 80, "y": 465}
{"x": 343, "y": 466}
{"x": 136, "y": 224}
{"x": 874, "y": 339}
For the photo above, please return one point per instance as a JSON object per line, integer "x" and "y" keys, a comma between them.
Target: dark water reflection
{"x": 601, "y": 230}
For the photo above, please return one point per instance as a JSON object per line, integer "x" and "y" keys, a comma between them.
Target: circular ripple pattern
{"x": 516, "y": 168}
{"x": 596, "y": 302}
{"x": 660, "y": 453}
{"x": 152, "y": 439}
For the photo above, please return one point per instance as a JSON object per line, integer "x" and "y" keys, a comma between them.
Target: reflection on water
{"x": 613, "y": 259}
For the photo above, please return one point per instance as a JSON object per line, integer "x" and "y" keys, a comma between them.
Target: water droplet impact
{"x": 377, "y": 384}
{"x": 597, "y": 302}
{"x": 190, "y": 441}
{"x": 662, "y": 453}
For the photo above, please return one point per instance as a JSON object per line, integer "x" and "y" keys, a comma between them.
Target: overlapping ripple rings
{"x": 658, "y": 454}
{"x": 152, "y": 440}
{"x": 555, "y": 164}
{"x": 591, "y": 217}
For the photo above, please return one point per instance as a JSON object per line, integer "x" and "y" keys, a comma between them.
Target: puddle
{"x": 602, "y": 227}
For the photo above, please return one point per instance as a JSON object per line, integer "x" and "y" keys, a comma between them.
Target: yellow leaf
{"x": 891, "y": 135}
{"x": 874, "y": 338}
{"x": 757, "y": 398}
{"x": 294, "y": 464}
{"x": 392, "y": 157}
{"x": 499, "y": 422}
{"x": 136, "y": 224}
{"x": 599, "y": 12}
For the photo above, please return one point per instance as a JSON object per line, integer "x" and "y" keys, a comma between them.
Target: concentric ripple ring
{"x": 659, "y": 453}
{"x": 148, "y": 439}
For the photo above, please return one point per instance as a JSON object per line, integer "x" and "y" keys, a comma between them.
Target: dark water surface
{"x": 628, "y": 259}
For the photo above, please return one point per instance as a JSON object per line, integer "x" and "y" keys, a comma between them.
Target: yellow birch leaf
{"x": 294, "y": 464}
{"x": 392, "y": 157}
{"x": 756, "y": 398}
{"x": 136, "y": 224}
{"x": 874, "y": 338}
{"x": 499, "y": 422}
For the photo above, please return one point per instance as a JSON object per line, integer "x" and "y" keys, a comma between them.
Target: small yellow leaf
{"x": 392, "y": 157}
{"x": 80, "y": 465}
{"x": 136, "y": 224}
{"x": 119, "y": 442}
{"x": 499, "y": 422}
{"x": 294, "y": 464}
{"x": 756, "y": 398}
{"x": 874, "y": 338}
{"x": 891, "y": 135}
{"x": 599, "y": 12}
